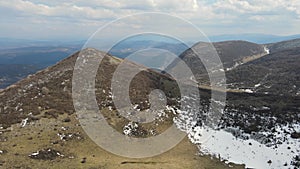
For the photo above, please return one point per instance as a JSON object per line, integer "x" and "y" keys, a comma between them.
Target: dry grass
{"x": 41, "y": 134}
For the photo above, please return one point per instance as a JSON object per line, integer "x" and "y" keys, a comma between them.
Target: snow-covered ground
{"x": 232, "y": 144}
{"x": 252, "y": 152}
{"x": 249, "y": 152}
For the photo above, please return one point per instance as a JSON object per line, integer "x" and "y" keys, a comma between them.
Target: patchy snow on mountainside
{"x": 249, "y": 149}
{"x": 249, "y": 152}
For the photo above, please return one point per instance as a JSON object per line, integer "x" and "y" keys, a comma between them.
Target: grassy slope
{"x": 21, "y": 142}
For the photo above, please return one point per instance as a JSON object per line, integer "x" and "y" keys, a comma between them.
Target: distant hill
{"x": 276, "y": 73}
{"x": 35, "y": 55}
{"x": 11, "y": 73}
{"x": 12, "y": 43}
{"x": 126, "y": 48}
{"x": 231, "y": 53}
{"x": 284, "y": 45}
{"x": 17, "y": 63}
{"x": 255, "y": 38}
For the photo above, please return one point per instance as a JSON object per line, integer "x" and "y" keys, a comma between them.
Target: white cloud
{"x": 61, "y": 10}
{"x": 228, "y": 15}
{"x": 96, "y": 9}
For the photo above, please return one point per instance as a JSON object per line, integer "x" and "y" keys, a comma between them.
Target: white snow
{"x": 131, "y": 126}
{"x": 24, "y": 122}
{"x": 248, "y": 90}
{"x": 252, "y": 153}
{"x": 249, "y": 152}
{"x": 34, "y": 154}
{"x": 219, "y": 102}
{"x": 61, "y": 155}
{"x": 257, "y": 85}
{"x": 135, "y": 107}
{"x": 267, "y": 50}
{"x": 265, "y": 108}
{"x": 234, "y": 66}
{"x": 61, "y": 136}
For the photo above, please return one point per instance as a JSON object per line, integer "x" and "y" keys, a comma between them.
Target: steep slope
{"x": 235, "y": 52}
{"x": 39, "y": 128}
{"x": 271, "y": 89}
{"x": 262, "y": 101}
{"x": 231, "y": 54}
{"x": 277, "y": 73}
{"x": 284, "y": 45}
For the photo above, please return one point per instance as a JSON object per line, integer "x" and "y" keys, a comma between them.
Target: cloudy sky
{"x": 78, "y": 19}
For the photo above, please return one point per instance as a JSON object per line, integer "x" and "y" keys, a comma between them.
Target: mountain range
{"x": 40, "y": 129}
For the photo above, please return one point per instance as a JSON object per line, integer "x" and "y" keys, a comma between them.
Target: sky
{"x": 78, "y": 20}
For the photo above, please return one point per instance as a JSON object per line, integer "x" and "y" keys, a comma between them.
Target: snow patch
{"x": 267, "y": 50}
{"x": 129, "y": 128}
{"x": 257, "y": 85}
{"x": 24, "y": 122}
{"x": 249, "y": 152}
{"x": 248, "y": 90}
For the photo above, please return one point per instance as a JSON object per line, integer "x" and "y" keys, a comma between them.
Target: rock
{"x": 46, "y": 154}
{"x": 34, "y": 118}
{"x": 40, "y": 81}
{"x": 295, "y": 135}
{"x": 55, "y": 142}
{"x": 45, "y": 91}
{"x": 66, "y": 120}
{"x": 65, "y": 89}
{"x": 51, "y": 114}
{"x": 83, "y": 160}
{"x": 1, "y": 162}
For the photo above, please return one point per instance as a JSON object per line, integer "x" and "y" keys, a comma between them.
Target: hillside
{"x": 262, "y": 103}
{"x": 39, "y": 127}
{"x": 277, "y": 73}
{"x": 231, "y": 54}
{"x": 284, "y": 45}
{"x": 268, "y": 91}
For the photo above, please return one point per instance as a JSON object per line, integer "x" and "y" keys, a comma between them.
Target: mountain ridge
{"x": 46, "y": 97}
{"x": 37, "y": 118}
